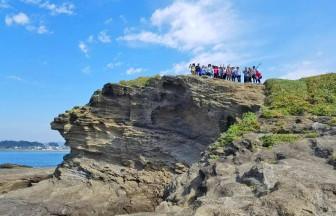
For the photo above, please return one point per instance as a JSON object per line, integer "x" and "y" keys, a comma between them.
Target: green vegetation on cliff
{"x": 289, "y": 106}
{"x": 313, "y": 95}
{"x": 138, "y": 82}
{"x": 273, "y": 139}
{"x": 248, "y": 123}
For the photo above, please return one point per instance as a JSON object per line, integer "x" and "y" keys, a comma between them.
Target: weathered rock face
{"x": 128, "y": 142}
{"x": 170, "y": 121}
{"x": 138, "y": 151}
{"x": 14, "y": 177}
{"x": 288, "y": 179}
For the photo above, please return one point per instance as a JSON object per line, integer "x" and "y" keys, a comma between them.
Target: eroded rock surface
{"x": 129, "y": 142}
{"x": 14, "y": 177}
{"x": 288, "y": 179}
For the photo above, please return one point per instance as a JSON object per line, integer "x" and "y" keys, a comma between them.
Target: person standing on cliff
{"x": 254, "y": 71}
{"x": 192, "y": 68}
{"x": 258, "y": 76}
{"x": 198, "y": 69}
{"x": 246, "y": 73}
{"x": 228, "y": 73}
{"x": 221, "y": 72}
{"x": 216, "y": 72}
{"x": 238, "y": 74}
{"x": 203, "y": 70}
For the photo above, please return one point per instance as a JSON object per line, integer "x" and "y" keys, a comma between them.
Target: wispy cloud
{"x": 113, "y": 65}
{"x": 17, "y": 19}
{"x": 87, "y": 70}
{"x": 15, "y": 78}
{"x": 303, "y": 69}
{"x": 66, "y": 8}
{"x": 206, "y": 29}
{"x": 104, "y": 37}
{"x": 84, "y": 48}
{"x": 108, "y": 21}
{"x": 123, "y": 19}
{"x": 4, "y": 4}
{"x": 315, "y": 64}
{"x": 22, "y": 19}
{"x": 21, "y": 80}
{"x": 40, "y": 29}
{"x": 132, "y": 70}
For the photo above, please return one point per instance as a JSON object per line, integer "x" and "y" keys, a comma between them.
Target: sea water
{"x": 40, "y": 159}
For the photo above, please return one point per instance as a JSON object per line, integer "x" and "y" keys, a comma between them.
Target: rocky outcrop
{"x": 155, "y": 126}
{"x": 146, "y": 150}
{"x": 14, "y": 177}
{"x": 288, "y": 179}
{"x": 128, "y": 143}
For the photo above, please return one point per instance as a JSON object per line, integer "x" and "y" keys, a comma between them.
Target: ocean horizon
{"x": 36, "y": 159}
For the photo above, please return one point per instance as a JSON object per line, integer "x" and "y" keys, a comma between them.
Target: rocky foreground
{"x": 14, "y": 177}
{"x": 151, "y": 150}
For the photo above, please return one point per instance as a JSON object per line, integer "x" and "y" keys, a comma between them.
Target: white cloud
{"x": 40, "y": 29}
{"x": 133, "y": 70}
{"x": 178, "y": 68}
{"x": 123, "y": 19}
{"x": 86, "y": 70}
{"x": 104, "y": 37}
{"x": 210, "y": 31}
{"x": 101, "y": 37}
{"x": 22, "y": 19}
{"x": 17, "y": 19}
{"x": 108, "y": 21}
{"x": 4, "y": 4}
{"x": 84, "y": 48}
{"x": 303, "y": 69}
{"x": 90, "y": 39}
{"x": 113, "y": 65}
{"x": 64, "y": 8}
{"x": 189, "y": 25}
{"x": 15, "y": 78}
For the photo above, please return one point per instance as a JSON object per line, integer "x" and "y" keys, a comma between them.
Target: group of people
{"x": 250, "y": 74}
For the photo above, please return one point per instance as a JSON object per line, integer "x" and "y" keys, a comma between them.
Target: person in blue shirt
{"x": 203, "y": 71}
{"x": 238, "y": 74}
{"x": 198, "y": 69}
{"x": 210, "y": 70}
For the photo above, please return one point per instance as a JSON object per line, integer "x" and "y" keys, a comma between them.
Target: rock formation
{"x": 14, "y": 177}
{"x": 128, "y": 142}
{"x": 148, "y": 149}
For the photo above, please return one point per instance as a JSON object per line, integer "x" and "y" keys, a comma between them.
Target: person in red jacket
{"x": 258, "y": 76}
{"x": 216, "y": 71}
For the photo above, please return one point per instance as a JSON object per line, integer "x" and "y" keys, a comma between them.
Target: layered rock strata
{"x": 127, "y": 143}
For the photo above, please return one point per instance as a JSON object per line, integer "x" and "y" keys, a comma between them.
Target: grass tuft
{"x": 139, "y": 82}
{"x": 274, "y": 139}
{"x": 248, "y": 123}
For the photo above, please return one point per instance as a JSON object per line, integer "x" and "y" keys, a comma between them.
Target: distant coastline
{"x": 33, "y": 150}
{"x": 19, "y": 146}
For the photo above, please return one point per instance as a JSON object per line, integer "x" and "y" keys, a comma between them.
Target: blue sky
{"x": 54, "y": 54}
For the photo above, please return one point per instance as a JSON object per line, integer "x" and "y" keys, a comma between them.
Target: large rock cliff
{"x": 128, "y": 142}
{"x": 180, "y": 146}
{"x": 169, "y": 121}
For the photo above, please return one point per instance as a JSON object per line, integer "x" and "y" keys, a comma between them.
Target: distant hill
{"x": 26, "y": 145}
{"x": 19, "y": 144}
